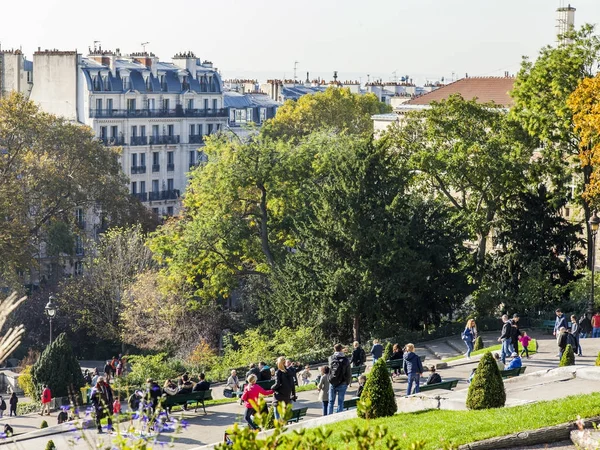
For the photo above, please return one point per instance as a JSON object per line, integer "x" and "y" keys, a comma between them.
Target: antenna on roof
{"x": 295, "y": 67}
{"x": 144, "y": 46}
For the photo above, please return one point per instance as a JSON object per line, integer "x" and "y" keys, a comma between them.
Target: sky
{"x": 379, "y": 39}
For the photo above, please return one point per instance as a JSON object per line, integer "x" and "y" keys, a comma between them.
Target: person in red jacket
{"x": 46, "y": 399}
{"x": 250, "y": 398}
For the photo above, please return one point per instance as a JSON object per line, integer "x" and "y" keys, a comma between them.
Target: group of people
{"x": 571, "y": 332}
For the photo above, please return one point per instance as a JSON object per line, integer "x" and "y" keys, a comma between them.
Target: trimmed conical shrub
{"x": 59, "y": 369}
{"x": 598, "y": 359}
{"x": 44, "y": 424}
{"x": 479, "y": 343}
{"x": 487, "y": 388}
{"x": 387, "y": 353}
{"x": 378, "y": 393}
{"x": 568, "y": 357}
{"x": 50, "y": 445}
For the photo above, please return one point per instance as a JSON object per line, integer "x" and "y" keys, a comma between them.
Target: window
{"x": 134, "y": 159}
{"x": 151, "y": 104}
{"x": 30, "y": 76}
{"x": 163, "y": 82}
{"x": 155, "y": 130}
{"x": 99, "y": 104}
{"x": 142, "y": 187}
{"x": 215, "y": 103}
{"x": 134, "y": 187}
{"x": 170, "y": 158}
{"x": 170, "y": 184}
{"x": 126, "y": 83}
{"x": 218, "y": 127}
{"x": 240, "y": 115}
{"x": 78, "y": 268}
{"x": 200, "y": 129}
{"x": 103, "y": 132}
{"x": 109, "y": 104}
{"x": 205, "y": 103}
{"x": 78, "y": 246}
{"x": 155, "y": 158}
{"x": 262, "y": 115}
{"x": 131, "y": 104}
{"x": 155, "y": 186}
{"x": 134, "y": 131}
{"x": 169, "y": 210}
{"x": 249, "y": 115}
{"x": 170, "y": 130}
{"x": 142, "y": 159}
{"x": 192, "y": 129}
{"x": 166, "y": 104}
{"x": 192, "y": 157}
{"x": 114, "y": 130}
{"x": 210, "y": 128}
{"x": 190, "y": 104}
{"x": 143, "y": 130}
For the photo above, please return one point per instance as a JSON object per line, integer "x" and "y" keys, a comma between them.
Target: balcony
{"x": 164, "y": 195}
{"x": 196, "y": 139}
{"x": 155, "y": 167}
{"x": 141, "y": 196}
{"x": 164, "y": 140}
{"x": 138, "y": 169}
{"x": 142, "y": 113}
{"x": 139, "y": 140}
{"x": 112, "y": 141}
{"x": 170, "y": 167}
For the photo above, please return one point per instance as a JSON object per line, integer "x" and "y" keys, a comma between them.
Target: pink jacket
{"x": 525, "y": 340}
{"x": 251, "y": 392}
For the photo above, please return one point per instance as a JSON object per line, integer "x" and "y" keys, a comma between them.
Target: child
{"x": 361, "y": 384}
{"x": 117, "y": 407}
{"x": 434, "y": 378}
{"x": 525, "y": 340}
{"x": 305, "y": 375}
{"x": 250, "y": 398}
{"x": 323, "y": 387}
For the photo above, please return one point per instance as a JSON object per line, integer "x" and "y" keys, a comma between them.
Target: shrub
{"x": 479, "y": 343}
{"x": 151, "y": 366}
{"x": 44, "y": 424}
{"x": 387, "y": 353}
{"x": 378, "y": 391}
{"x": 568, "y": 357}
{"x": 58, "y": 368}
{"x": 487, "y": 388}
{"x": 24, "y": 408}
{"x": 50, "y": 445}
{"x": 598, "y": 359}
{"x": 26, "y": 383}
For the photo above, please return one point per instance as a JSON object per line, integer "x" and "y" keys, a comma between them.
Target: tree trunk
{"x": 587, "y": 212}
{"x": 264, "y": 231}
{"x": 355, "y": 329}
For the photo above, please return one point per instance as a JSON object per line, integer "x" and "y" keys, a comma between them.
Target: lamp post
{"x": 50, "y": 310}
{"x": 594, "y": 224}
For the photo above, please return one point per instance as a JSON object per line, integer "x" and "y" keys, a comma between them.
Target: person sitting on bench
{"x": 434, "y": 378}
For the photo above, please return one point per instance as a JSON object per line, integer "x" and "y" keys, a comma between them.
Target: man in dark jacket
{"x": 102, "y": 399}
{"x": 359, "y": 356}
{"x": 289, "y": 366}
{"x": 560, "y": 322}
{"x": 202, "y": 385}
{"x": 340, "y": 376}
{"x": 376, "y": 350}
{"x": 515, "y": 333}
{"x": 505, "y": 338}
{"x": 253, "y": 370}
{"x": 265, "y": 372}
{"x": 153, "y": 394}
{"x": 585, "y": 326}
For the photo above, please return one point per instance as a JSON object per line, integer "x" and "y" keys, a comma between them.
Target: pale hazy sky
{"x": 426, "y": 39}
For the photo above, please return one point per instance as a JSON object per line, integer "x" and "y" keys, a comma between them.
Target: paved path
{"x": 205, "y": 429}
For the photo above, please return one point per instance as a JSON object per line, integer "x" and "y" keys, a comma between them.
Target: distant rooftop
{"x": 484, "y": 89}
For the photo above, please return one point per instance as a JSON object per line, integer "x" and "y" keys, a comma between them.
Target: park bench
{"x": 448, "y": 385}
{"x": 513, "y": 372}
{"x": 351, "y": 402}
{"x": 548, "y": 325}
{"x": 198, "y": 397}
{"x": 394, "y": 364}
{"x": 357, "y": 372}
{"x": 297, "y": 414}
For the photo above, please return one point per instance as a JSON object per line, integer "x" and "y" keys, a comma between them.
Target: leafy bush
{"x": 157, "y": 367}
{"x": 598, "y": 359}
{"x": 202, "y": 357}
{"x": 27, "y": 407}
{"x": 487, "y": 388}
{"x": 387, "y": 353}
{"x": 50, "y": 445}
{"x": 568, "y": 357}
{"x": 26, "y": 383}
{"x": 479, "y": 343}
{"x": 58, "y": 368}
{"x": 378, "y": 394}
{"x": 44, "y": 424}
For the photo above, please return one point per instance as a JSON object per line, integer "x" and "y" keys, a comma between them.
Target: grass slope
{"x": 493, "y": 348}
{"x": 461, "y": 427}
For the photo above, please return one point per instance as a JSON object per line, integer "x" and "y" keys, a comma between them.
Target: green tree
{"x": 336, "y": 109}
{"x": 568, "y": 357}
{"x": 387, "y": 354}
{"x": 479, "y": 345}
{"x": 378, "y": 396}
{"x": 487, "y": 388}
{"x": 59, "y": 369}
{"x": 541, "y": 94}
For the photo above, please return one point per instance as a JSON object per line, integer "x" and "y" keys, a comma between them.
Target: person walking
{"x": 359, "y": 357}
{"x": 525, "y": 340}
{"x": 515, "y": 333}
{"x": 101, "y": 396}
{"x": 585, "y": 326}
{"x": 469, "y": 336}
{"x": 576, "y": 332}
{"x": 596, "y": 325}
{"x": 412, "y": 368}
{"x": 340, "y": 377}
{"x": 560, "y": 322}
{"x": 376, "y": 350}
{"x": 323, "y": 388}
{"x": 505, "y": 339}
{"x": 252, "y": 391}
{"x": 2, "y": 407}
{"x": 46, "y": 399}
{"x": 13, "y": 404}
{"x": 284, "y": 389}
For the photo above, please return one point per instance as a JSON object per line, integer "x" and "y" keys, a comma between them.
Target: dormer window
{"x": 97, "y": 83}
{"x": 106, "y": 83}
{"x": 148, "y": 84}
{"x": 163, "y": 82}
{"x": 126, "y": 83}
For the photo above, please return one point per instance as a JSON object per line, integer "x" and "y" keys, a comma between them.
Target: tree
{"x": 378, "y": 396}
{"x": 387, "y": 354}
{"x": 336, "y": 109}
{"x": 541, "y": 92}
{"x": 479, "y": 345}
{"x": 487, "y": 388}
{"x": 58, "y": 369}
{"x": 471, "y": 155}
{"x": 568, "y": 357}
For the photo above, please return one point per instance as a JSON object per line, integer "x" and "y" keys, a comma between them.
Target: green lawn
{"x": 461, "y": 427}
{"x": 493, "y": 348}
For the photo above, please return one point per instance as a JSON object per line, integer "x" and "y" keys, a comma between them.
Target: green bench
{"x": 548, "y": 326}
{"x": 198, "y": 397}
{"x": 297, "y": 414}
{"x": 351, "y": 402}
{"x": 513, "y": 372}
{"x": 357, "y": 372}
{"x": 394, "y": 364}
{"x": 448, "y": 385}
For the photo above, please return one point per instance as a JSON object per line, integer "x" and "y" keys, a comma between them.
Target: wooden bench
{"x": 394, "y": 364}
{"x": 448, "y": 385}
{"x": 513, "y": 372}
{"x": 357, "y": 372}
{"x": 297, "y": 414}
{"x": 351, "y": 402}
{"x": 198, "y": 397}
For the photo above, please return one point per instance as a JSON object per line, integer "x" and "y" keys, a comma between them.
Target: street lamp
{"x": 594, "y": 224}
{"x": 50, "y": 310}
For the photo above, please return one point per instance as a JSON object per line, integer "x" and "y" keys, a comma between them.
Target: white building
{"x": 16, "y": 73}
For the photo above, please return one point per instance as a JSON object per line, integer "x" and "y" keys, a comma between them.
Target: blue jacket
{"x": 377, "y": 350}
{"x": 514, "y": 364}
{"x": 412, "y": 363}
{"x": 560, "y": 322}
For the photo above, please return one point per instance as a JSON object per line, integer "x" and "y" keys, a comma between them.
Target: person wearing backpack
{"x": 2, "y": 407}
{"x": 359, "y": 357}
{"x": 340, "y": 376}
